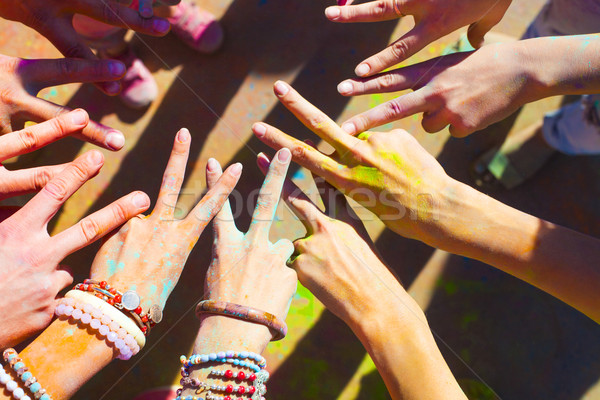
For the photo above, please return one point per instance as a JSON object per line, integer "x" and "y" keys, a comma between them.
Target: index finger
{"x": 373, "y": 11}
{"x": 270, "y": 192}
{"x": 393, "y": 110}
{"x": 302, "y": 153}
{"x": 40, "y": 110}
{"x": 34, "y": 137}
{"x": 43, "y": 206}
{"x": 403, "y": 48}
{"x": 313, "y": 118}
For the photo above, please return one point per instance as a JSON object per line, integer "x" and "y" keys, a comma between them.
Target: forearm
{"x": 396, "y": 335}
{"x": 64, "y": 357}
{"x": 553, "y": 258}
{"x": 562, "y": 65}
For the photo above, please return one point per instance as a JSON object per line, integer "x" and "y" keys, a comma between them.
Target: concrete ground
{"x": 498, "y": 334}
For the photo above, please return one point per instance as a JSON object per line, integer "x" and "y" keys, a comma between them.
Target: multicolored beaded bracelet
{"x": 229, "y": 374}
{"x": 129, "y": 301}
{"x": 16, "y": 363}
{"x": 278, "y": 328}
{"x": 232, "y": 357}
{"x": 115, "y": 334}
{"x": 210, "y": 396}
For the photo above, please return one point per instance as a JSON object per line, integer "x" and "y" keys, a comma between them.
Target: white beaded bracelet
{"x": 88, "y": 314}
{"x": 114, "y": 314}
{"x": 12, "y": 386}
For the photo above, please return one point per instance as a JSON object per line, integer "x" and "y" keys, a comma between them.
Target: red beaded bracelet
{"x": 278, "y": 328}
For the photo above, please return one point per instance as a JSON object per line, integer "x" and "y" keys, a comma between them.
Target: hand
{"x": 388, "y": 173}
{"x": 433, "y": 20}
{"x": 336, "y": 260}
{"x": 148, "y": 253}
{"x": 53, "y": 19}
{"x": 30, "y": 277}
{"x": 21, "y": 80}
{"x": 247, "y": 268}
{"x": 460, "y": 90}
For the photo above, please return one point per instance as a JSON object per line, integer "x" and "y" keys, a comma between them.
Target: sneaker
{"x": 197, "y": 28}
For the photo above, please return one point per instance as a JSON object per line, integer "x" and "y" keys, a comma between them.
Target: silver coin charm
{"x": 130, "y": 300}
{"x": 155, "y": 313}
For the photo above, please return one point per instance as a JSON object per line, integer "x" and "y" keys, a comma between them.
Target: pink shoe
{"x": 139, "y": 86}
{"x": 197, "y": 28}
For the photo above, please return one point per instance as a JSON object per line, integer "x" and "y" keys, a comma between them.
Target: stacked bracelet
{"x": 247, "y": 359}
{"x": 128, "y": 302}
{"x": 29, "y": 381}
{"x": 278, "y": 328}
{"x": 231, "y": 357}
{"x": 97, "y": 320}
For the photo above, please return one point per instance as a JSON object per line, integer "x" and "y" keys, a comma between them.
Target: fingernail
{"x": 183, "y": 136}
{"x": 345, "y": 88}
{"x": 281, "y": 89}
{"x": 79, "y": 117}
{"x": 115, "y": 140}
{"x": 259, "y": 130}
{"x": 284, "y": 155}
{"x": 212, "y": 164}
{"x": 349, "y": 128}
{"x": 362, "y": 70}
{"x": 140, "y": 200}
{"x": 332, "y": 12}
{"x": 236, "y": 169}
{"x": 161, "y": 25}
{"x": 117, "y": 68}
{"x": 112, "y": 88}
{"x": 263, "y": 160}
{"x": 96, "y": 157}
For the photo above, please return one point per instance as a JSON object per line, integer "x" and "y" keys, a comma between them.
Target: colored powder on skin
{"x": 368, "y": 175}
{"x": 112, "y": 267}
{"x": 153, "y": 290}
{"x": 69, "y": 332}
{"x": 137, "y": 255}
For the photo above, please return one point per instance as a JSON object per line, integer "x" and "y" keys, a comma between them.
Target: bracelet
{"x": 128, "y": 301}
{"x": 229, "y": 374}
{"x": 115, "y": 315}
{"x": 195, "y": 383}
{"x": 89, "y": 315}
{"x": 278, "y": 328}
{"x": 232, "y": 357}
{"x": 30, "y": 382}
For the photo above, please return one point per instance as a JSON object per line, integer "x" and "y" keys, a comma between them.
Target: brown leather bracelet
{"x": 278, "y": 328}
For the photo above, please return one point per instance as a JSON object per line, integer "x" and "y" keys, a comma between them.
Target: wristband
{"x": 29, "y": 381}
{"x": 278, "y": 328}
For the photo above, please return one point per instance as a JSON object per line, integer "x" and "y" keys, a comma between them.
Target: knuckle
{"x": 381, "y": 8}
{"x": 120, "y": 212}
{"x": 89, "y": 229}
{"x": 40, "y": 178}
{"x": 317, "y": 121}
{"x": 66, "y": 67}
{"x": 299, "y": 152}
{"x": 28, "y": 139}
{"x": 57, "y": 189}
{"x": 386, "y": 82}
{"x": 399, "y": 49}
{"x": 79, "y": 172}
{"x": 393, "y": 108}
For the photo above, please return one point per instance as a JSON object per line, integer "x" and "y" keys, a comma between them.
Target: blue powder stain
{"x": 251, "y": 86}
{"x": 121, "y": 266}
{"x": 168, "y": 263}
{"x": 153, "y": 289}
{"x": 166, "y": 289}
{"x": 112, "y": 267}
{"x": 136, "y": 255}
{"x": 299, "y": 175}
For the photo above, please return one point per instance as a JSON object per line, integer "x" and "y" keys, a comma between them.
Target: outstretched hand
{"x": 459, "y": 90}
{"x": 21, "y": 80}
{"x": 433, "y": 20}
{"x": 149, "y": 252}
{"x": 389, "y": 173}
{"x": 30, "y": 277}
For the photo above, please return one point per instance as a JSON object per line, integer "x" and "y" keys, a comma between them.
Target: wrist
{"x": 538, "y": 72}
{"x": 221, "y": 333}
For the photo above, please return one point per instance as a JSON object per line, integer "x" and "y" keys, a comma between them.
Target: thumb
{"x": 477, "y": 30}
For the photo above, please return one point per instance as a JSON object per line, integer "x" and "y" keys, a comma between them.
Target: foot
{"x": 196, "y": 27}
{"x": 521, "y": 155}
{"x": 139, "y": 86}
